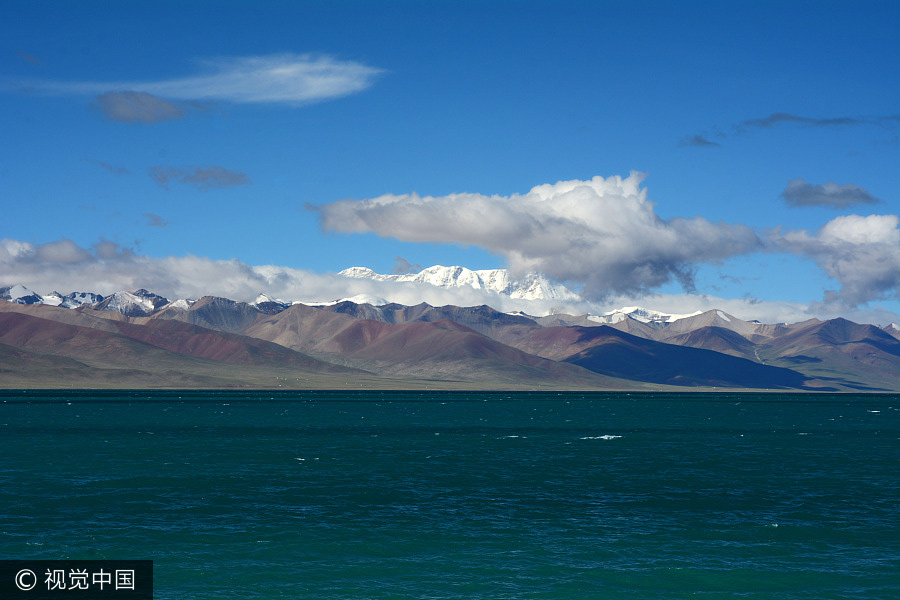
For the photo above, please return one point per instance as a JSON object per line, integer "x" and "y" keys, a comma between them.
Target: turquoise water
{"x": 377, "y": 495}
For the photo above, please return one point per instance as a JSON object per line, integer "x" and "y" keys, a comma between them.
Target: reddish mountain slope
{"x": 424, "y": 349}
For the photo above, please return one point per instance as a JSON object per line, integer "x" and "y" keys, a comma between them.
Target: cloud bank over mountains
{"x": 601, "y": 237}
{"x": 107, "y": 267}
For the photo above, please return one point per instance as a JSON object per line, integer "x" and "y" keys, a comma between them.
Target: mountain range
{"x": 140, "y": 339}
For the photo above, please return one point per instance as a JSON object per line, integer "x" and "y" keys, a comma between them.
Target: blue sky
{"x": 141, "y": 134}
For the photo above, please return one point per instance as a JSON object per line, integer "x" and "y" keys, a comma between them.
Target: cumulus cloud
{"x": 292, "y": 79}
{"x": 861, "y": 253}
{"x": 800, "y": 193}
{"x": 204, "y": 178}
{"x": 603, "y": 233}
{"x": 130, "y": 106}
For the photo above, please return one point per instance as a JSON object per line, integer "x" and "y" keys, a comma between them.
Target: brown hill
{"x": 215, "y": 313}
{"x": 715, "y": 338}
{"x": 857, "y": 356}
{"x": 423, "y": 349}
{"x": 51, "y": 353}
{"x": 301, "y": 327}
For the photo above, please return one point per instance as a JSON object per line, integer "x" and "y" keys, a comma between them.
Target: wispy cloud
{"x": 137, "y": 107}
{"x": 800, "y": 193}
{"x": 781, "y": 117}
{"x": 114, "y": 169}
{"x": 155, "y": 220}
{"x": 403, "y": 266}
{"x": 204, "y": 178}
{"x": 603, "y": 233}
{"x": 29, "y": 58}
{"x": 698, "y": 141}
{"x": 292, "y": 79}
{"x": 777, "y": 119}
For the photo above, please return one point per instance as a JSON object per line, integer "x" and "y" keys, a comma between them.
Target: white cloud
{"x": 601, "y": 233}
{"x": 282, "y": 78}
{"x": 860, "y": 253}
{"x": 854, "y": 229}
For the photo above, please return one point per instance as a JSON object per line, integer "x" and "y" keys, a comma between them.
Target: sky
{"x": 674, "y": 155}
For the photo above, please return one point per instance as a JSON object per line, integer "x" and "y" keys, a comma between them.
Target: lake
{"x": 377, "y": 495}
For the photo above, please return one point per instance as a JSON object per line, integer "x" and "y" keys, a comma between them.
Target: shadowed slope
{"x": 635, "y": 358}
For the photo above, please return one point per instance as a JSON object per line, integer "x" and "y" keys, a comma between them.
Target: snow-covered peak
{"x": 530, "y": 287}
{"x": 357, "y": 299}
{"x": 365, "y": 299}
{"x": 19, "y": 294}
{"x": 76, "y": 299}
{"x": 266, "y": 304}
{"x": 140, "y": 303}
{"x": 893, "y": 330}
{"x": 22, "y": 295}
{"x": 654, "y": 318}
{"x": 263, "y": 298}
{"x": 182, "y": 303}
{"x": 53, "y": 299}
{"x": 361, "y": 273}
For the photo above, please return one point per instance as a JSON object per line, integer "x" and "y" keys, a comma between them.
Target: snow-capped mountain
{"x": 267, "y": 304}
{"x": 182, "y": 303}
{"x": 73, "y": 300}
{"x": 652, "y": 318}
{"x": 140, "y": 303}
{"x": 531, "y": 287}
{"x": 19, "y": 294}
